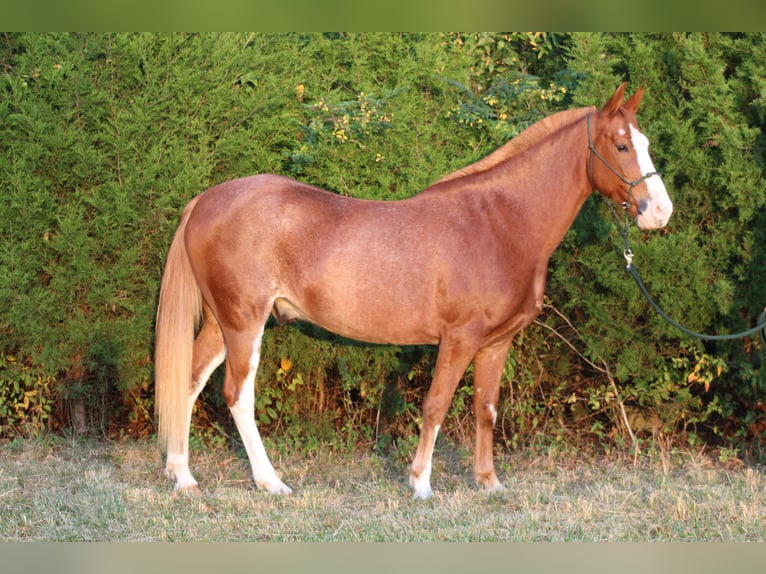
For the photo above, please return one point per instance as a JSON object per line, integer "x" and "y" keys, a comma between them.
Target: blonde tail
{"x": 178, "y": 315}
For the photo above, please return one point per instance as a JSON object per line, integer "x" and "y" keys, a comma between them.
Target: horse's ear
{"x": 633, "y": 101}
{"x": 614, "y": 103}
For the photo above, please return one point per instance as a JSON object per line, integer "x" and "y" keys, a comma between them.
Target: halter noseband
{"x": 631, "y": 184}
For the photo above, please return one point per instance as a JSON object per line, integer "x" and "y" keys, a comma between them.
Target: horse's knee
{"x": 434, "y": 409}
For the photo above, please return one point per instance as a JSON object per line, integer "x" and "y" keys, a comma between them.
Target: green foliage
{"x": 698, "y": 113}
{"x": 513, "y": 82}
{"x": 104, "y": 137}
{"x": 356, "y": 122}
{"x": 26, "y": 398}
{"x": 509, "y": 105}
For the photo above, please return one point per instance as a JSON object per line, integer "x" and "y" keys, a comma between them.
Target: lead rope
{"x": 630, "y": 268}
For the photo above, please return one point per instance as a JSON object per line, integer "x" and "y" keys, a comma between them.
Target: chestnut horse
{"x": 461, "y": 265}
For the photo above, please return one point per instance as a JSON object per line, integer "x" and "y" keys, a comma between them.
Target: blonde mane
{"x": 524, "y": 140}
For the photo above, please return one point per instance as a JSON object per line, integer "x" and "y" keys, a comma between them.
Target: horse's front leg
{"x": 451, "y": 362}
{"x": 488, "y": 371}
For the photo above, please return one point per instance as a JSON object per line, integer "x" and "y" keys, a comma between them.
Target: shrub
{"x": 104, "y": 137}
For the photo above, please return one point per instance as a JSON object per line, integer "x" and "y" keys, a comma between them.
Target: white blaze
{"x": 655, "y": 213}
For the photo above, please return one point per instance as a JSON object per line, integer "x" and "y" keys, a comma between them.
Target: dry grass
{"x": 57, "y": 490}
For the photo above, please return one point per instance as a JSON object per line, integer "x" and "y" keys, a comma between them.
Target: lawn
{"x": 58, "y": 489}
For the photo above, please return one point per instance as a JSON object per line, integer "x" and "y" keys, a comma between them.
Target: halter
{"x": 623, "y": 179}
{"x": 630, "y": 268}
{"x": 631, "y": 184}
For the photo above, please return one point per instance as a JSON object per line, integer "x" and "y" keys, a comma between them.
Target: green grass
{"x": 56, "y": 489}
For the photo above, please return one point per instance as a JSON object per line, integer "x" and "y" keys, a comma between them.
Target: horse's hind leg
{"x": 244, "y": 351}
{"x": 209, "y": 352}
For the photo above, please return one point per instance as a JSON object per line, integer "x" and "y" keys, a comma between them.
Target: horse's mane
{"x": 524, "y": 140}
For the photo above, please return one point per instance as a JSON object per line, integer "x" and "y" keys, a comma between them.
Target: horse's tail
{"x": 178, "y": 315}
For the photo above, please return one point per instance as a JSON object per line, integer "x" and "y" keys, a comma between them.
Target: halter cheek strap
{"x": 631, "y": 184}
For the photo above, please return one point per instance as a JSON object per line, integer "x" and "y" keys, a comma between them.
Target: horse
{"x": 461, "y": 265}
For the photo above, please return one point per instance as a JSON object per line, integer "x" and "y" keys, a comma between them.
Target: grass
{"x": 55, "y": 489}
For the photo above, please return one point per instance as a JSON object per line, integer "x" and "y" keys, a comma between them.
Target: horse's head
{"x": 619, "y": 164}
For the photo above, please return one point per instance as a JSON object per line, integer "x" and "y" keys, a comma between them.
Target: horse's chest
{"x": 522, "y": 302}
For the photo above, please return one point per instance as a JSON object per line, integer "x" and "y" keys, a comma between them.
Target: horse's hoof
{"x": 421, "y": 487}
{"x": 490, "y": 484}
{"x": 495, "y": 488}
{"x": 189, "y": 490}
{"x": 277, "y": 488}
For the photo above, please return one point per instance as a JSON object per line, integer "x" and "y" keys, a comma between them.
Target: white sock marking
{"x": 243, "y": 412}
{"x": 421, "y": 486}
{"x": 177, "y": 464}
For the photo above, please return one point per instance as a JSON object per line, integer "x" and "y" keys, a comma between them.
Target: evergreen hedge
{"x": 104, "y": 137}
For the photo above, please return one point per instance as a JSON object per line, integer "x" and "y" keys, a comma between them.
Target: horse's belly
{"x": 374, "y": 322}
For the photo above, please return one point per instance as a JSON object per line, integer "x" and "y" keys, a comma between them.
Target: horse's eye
{"x": 622, "y": 148}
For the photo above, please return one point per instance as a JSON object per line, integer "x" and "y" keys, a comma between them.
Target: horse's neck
{"x": 543, "y": 188}
{"x": 555, "y": 199}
